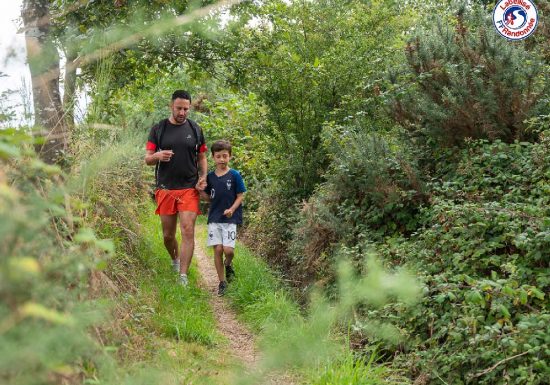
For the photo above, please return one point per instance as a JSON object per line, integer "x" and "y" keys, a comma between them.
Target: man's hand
{"x": 201, "y": 184}
{"x": 164, "y": 155}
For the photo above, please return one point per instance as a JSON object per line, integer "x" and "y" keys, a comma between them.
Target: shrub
{"x": 371, "y": 190}
{"x": 269, "y": 231}
{"x": 468, "y": 82}
{"x": 46, "y": 255}
{"x": 483, "y": 254}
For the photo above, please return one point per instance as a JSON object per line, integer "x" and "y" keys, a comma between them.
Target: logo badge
{"x": 515, "y": 19}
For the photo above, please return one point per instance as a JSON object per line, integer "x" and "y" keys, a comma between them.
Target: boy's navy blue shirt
{"x": 223, "y": 191}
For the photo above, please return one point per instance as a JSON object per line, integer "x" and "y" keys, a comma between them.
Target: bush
{"x": 468, "y": 82}
{"x": 46, "y": 256}
{"x": 372, "y": 190}
{"x": 483, "y": 253}
{"x": 269, "y": 231}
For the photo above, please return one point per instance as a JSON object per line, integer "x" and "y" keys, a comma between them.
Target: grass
{"x": 256, "y": 294}
{"x": 181, "y": 313}
{"x": 351, "y": 370}
{"x": 168, "y": 333}
{"x": 263, "y": 303}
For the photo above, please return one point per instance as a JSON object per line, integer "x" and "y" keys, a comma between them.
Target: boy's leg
{"x": 229, "y": 252}
{"x": 215, "y": 239}
{"x": 229, "y": 237}
{"x": 229, "y": 272}
{"x": 218, "y": 253}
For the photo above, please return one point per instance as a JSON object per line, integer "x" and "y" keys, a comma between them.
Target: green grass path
{"x": 172, "y": 331}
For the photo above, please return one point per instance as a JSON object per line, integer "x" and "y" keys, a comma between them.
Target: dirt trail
{"x": 242, "y": 344}
{"x": 241, "y": 340}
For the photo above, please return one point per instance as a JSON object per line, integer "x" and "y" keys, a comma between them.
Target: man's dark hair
{"x": 181, "y": 94}
{"x": 220, "y": 145}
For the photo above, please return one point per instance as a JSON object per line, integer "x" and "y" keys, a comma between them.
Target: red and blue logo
{"x": 515, "y": 19}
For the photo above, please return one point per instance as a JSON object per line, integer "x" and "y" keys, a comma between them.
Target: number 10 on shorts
{"x": 222, "y": 234}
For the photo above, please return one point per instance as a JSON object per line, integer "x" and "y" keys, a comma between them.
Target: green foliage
{"x": 308, "y": 341}
{"x": 308, "y": 95}
{"x": 53, "y": 265}
{"x": 183, "y": 314}
{"x": 46, "y": 254}
{"x": 540, "y": 42}
{"x": 303, "y": 61}
{"x": 468, "y": 82}
{"x": 138, "y": 35}
{"x": 258, "y": 295}
{"x": 242, "y": 120}
{"x": 483, "y": 254}
{"x": 372, "y": 189}
{"x": 311, "y": 65}
{"x": 269, "y": 230}
{"x": 356, "y": 371}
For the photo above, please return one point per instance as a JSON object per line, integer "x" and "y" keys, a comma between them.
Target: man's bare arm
{"x": 152, "y": 157}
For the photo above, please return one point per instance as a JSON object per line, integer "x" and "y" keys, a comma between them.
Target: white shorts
{"x": 222, "y": 234}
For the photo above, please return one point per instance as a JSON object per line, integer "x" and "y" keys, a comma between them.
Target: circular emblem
{"x": 515, "y": 19}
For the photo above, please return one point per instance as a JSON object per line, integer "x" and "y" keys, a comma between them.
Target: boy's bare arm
{"x": 204, "y": 195}
{"x": 229, "y": 212}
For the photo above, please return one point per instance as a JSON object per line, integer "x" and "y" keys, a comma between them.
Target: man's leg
{"x": 187, "y": 224}
{"x": 169, "y": 225}
{"x": 218, "y": 262}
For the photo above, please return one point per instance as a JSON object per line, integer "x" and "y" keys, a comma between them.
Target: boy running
{"x": 225, "y": 191}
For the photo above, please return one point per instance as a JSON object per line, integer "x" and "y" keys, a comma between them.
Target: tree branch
{"x": 484, "y": 372}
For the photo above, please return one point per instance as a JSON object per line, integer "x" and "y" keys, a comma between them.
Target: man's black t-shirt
{"x": 181, "y": 171}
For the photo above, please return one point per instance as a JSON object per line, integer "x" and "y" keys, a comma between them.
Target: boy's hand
{"x": 228, "y": 213}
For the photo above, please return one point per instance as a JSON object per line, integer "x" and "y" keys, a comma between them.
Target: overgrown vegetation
{"x": 360, "y": 129}
{"x": 482, "y": 252}
{"x": 468, "y": 82}
{"x": 308, "y": 342}
{"x": 47, "y": 252}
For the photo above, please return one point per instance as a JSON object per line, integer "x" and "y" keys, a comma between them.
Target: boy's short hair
{"x": 181, "y": 94}
{"x": 220, "y": 145}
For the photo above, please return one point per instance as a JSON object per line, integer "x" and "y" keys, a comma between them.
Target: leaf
{"x": 523, "y": 297}
{"x": 25, "y": 264}
{"x": 7, "y": 151}
{"x": 317, "y": 62}
{"x": 508, "y": 291}
{"x": 35, "y": 310}
{"x": 85, "y": 235}
{"x": 440, "y": 298}
{"x": 475, "y": 297}
{"x": 537, "y": 293}
{"x": 504, "y": 310}
{"x": 106, "y": 245}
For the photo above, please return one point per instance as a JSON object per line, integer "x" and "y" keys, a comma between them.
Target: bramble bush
{"x": 483, "y": 254}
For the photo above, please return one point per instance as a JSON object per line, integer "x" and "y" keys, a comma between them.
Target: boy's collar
{"x": 223, "y": 172}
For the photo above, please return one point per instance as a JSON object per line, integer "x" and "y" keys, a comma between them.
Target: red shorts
{"x": 170, "y": 202}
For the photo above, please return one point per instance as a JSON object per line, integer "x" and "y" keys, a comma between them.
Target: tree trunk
{"x": 43, "y": 59}
{"x": 69, "y": 95}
